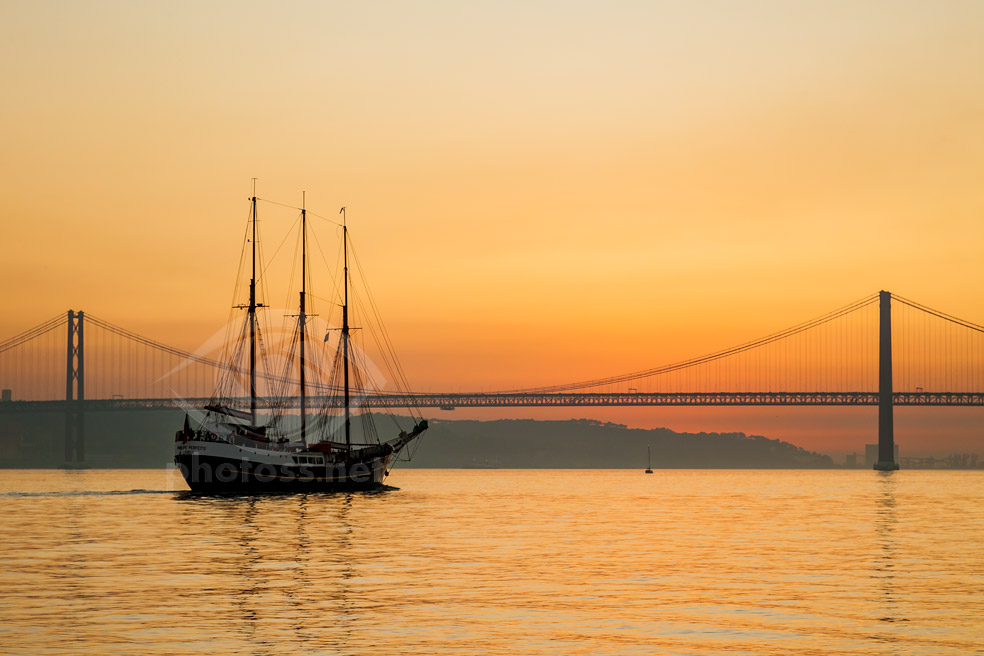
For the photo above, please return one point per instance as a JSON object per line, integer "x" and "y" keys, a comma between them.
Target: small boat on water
{"x": 225, "y": 448}
{"x": 649, "y": 453}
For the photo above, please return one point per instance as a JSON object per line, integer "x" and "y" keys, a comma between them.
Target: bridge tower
{"x": 75, "y": 390}
{"x": 886, "y": 420}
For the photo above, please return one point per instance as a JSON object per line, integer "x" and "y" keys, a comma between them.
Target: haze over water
{"x": 498, "y": 561}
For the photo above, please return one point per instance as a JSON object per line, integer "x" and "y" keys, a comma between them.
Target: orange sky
{"x": 542, "y": 192}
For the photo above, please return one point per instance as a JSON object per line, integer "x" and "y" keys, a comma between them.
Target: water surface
{"x": 497, "y": 562}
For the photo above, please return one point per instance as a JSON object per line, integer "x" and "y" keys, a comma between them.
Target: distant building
{"x": 851, "y": 460}
{"x": 871, "y": 454}
{"x": 5, "y": 395}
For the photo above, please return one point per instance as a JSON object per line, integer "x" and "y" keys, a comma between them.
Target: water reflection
{"x": 301, "y": 579}
{"x": 248, "y": 559}
{"x": 344, "y": 561}
{"x": 72, "y": 579}
{"x": 290, "y": 562}
{"x": 885, "y": 563}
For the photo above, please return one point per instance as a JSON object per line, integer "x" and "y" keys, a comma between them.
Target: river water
{"x": 497, "y": 562}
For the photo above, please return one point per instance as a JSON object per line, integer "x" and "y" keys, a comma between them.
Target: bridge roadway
{"x": 509, "y": 400}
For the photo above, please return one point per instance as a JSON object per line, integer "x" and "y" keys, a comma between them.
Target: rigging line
{"x": 327, "y": 400}
{"x": 229, "y": 351}
{"x": 775, "y": 337}
{"x": 242, "y": 259}
{"x": 328, "y": 403}
{"x": 309, "y": 212}
{"x": 238, "y": 287}
{"x": 286, "y": 317}
{"x": 273, "y": 202}
{"x": 247, "y": 236}
{"x": 392, "y": 368}
{"x": 387, "y": 362}
{"x": 390, "y": 363}
{"x": 332, "y": 303}
{"x": 382, "y": 397}
{"x": 264, "y": 360}
{"x": 288, "y": 366}
{"x": 941, "y": 315}
{"x": 230, "y": 378}
{"x": 401, "y": 375}
{"x": 368, "y": 394}
{"x": 262, "y": 290}
{"x": 324, "y": 218}
{"x": 331, "y": 275}
{"x": 122, "y": 332}
{"x": 274, "y": 256}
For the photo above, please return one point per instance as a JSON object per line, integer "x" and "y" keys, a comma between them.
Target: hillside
{"x": 145, "y": 439}
{"x": 585, "y": 443}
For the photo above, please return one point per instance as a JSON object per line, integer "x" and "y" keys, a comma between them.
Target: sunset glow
{"x": 540, "y": 193}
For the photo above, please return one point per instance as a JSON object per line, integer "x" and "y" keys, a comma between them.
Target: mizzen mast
{"x": 345, "y": 331}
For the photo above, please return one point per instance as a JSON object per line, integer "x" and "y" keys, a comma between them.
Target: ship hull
{"x": 222, "y": 468}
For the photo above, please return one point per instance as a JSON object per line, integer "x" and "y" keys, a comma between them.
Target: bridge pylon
{"x": 75, "y": 389}
{"x": 886, "y": 418}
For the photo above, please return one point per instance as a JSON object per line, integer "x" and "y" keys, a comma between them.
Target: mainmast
{"x": 252, "y": 321}
{"x": 301, "y": 318}
{"x": 345, "y": 331}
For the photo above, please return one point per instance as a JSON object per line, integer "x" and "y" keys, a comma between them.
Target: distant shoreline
{"x": 144, "y": 440}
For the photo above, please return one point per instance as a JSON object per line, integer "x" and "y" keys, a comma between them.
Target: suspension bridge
{"x": 882, "y": 350}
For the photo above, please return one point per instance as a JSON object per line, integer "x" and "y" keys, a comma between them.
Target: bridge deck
{"x": 451, "y": 401}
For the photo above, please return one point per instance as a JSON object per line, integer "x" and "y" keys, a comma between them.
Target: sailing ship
{"x": 649, "y": 462}
{"x": 224, "y": 449}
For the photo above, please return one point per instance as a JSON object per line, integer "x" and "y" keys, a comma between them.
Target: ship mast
{"x": 252, "y": 321}
{"x": 345, "y": 332}
{"x": 301, "y": 319}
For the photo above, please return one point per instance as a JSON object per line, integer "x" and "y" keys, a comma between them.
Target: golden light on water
{"x": 498, "y": 561}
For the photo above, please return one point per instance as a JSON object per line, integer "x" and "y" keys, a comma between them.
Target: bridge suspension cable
{"x": 942, "y": 315}
{"x": 935, "y": 353}
{"x": 160, "y": 346}
{"x": 32, "y": 333}
{"x": 123, "y": 332}
{"x": 711, "y": 357}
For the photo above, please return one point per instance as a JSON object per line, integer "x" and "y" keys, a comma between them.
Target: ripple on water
{"x": 497, "y": 561}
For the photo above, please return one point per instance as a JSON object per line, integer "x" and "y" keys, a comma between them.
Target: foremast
{"x": 251, "y": 311}
{"x": 302, "y": 319}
